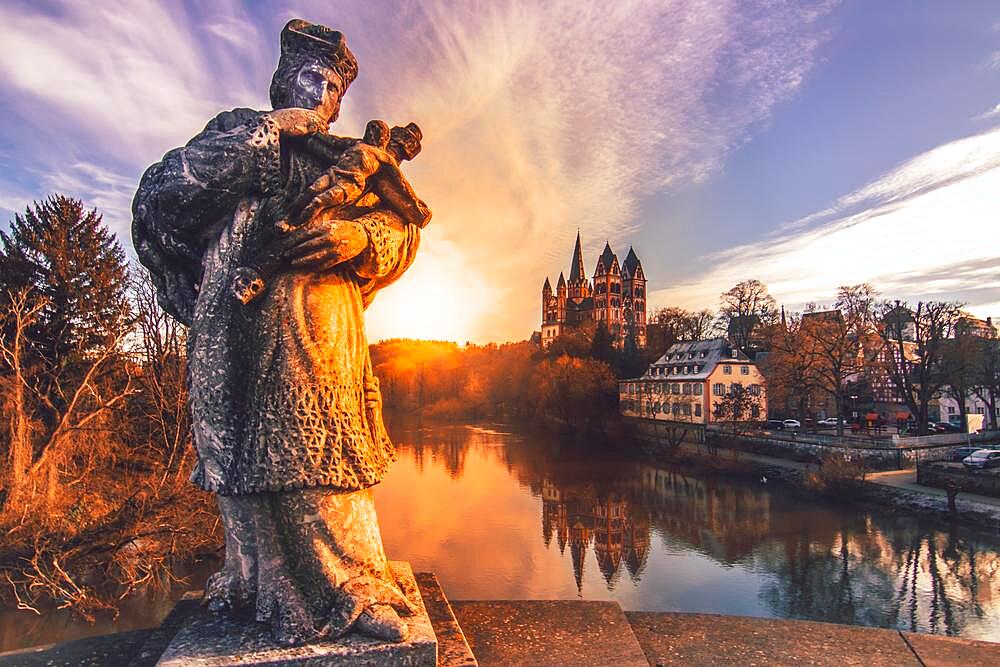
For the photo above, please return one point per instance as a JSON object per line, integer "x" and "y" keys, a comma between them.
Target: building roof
{"x": 547, "y": 287}
{"x": 824, "y": 315}
{"x": 586, "y": 303}
{"x": 607, "y": 262}
{"x": 631, "y": 264}
{"x": 577, "y": 273}
{"x": 562, "y": 280}
{"x": 704, "y": 355}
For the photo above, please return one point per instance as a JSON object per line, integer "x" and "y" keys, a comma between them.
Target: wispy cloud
{"x": 937, "y": 212}
{"x": 539, "y": 117}
{"x": 990, "y": 113}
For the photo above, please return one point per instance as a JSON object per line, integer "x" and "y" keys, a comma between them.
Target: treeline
{"x": 564, "y": 386}
{"x": 94, "y": 500}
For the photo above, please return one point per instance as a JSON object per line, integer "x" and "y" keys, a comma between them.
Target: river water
{"x": 501, "y": 513}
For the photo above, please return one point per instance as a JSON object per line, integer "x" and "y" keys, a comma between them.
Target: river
{"x": 497, "y": 512}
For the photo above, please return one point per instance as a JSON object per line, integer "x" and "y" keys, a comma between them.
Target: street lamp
{"x": 854, "y": 406}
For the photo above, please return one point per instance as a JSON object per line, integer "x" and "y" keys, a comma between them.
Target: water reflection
{"x": 462, "y": 502}
{"x": 503, "y": 514}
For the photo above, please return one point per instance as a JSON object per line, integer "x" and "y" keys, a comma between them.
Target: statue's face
{"x": 320, "y": 88}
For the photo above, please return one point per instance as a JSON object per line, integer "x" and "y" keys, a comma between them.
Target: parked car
{"x": 774, "y": 425}
{"x": 831, "y": 422}
{"x": 792, "y": 423}
{"x": 947, "y": 427}
{"x": 983, "y": 458}
{"x": 959, "y": 454}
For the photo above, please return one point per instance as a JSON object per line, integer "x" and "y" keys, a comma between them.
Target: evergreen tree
{"x": 601, "y": 347}
{"x": 70, "y": 261}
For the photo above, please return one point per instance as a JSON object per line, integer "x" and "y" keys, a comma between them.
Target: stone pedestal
{"x": 205, "y": 639}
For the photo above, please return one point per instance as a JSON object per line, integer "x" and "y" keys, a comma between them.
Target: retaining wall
{"x": 943, "y": 475}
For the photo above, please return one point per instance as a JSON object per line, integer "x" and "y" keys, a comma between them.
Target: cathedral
{"x": 616, "y": 297}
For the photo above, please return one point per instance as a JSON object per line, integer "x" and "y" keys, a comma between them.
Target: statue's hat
{"x": 301, "y": 39}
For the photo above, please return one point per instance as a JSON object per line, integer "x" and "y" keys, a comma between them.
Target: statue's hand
{"x": 325, "y": 243}
{"x": 296, "y": 122}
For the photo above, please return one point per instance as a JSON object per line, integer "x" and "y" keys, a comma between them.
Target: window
{"x": 744, "y": 370}
{"x": 718, "y": 389}
{"x": 728, "y": 370}
{"x": 687, "y": 369}
{"x": 675, "y": 388}
{"x": 697, "y": 389}
{"x": 951, "y": 410}
{"x": 690, "y": 355}
{"x": 754, "y": 411}
{"x": 697, "y": 409}
{"x": 676, "y": 409}
{"x": 686, "y": 409}
{"x": 754, "y": 389}
{"x": 702, "y": 355}
{"x": 687, "y": 389}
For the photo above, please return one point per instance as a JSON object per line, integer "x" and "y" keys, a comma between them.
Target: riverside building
{"x": 689, "y": 382}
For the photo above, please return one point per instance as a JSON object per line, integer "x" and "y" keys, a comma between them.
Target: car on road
{"x": 774, "y": 425}
{"x": 792, "y": 423}
{"x": 983, "y": 458}
{"x": 831, "y": 422}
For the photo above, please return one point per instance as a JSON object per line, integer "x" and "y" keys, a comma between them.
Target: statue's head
{"x": 314, "y": 69}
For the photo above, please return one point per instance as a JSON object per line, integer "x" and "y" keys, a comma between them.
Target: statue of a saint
{"x": 286, "y": 411}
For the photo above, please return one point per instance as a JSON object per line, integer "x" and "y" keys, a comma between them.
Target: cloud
{"x": 990, "y": 113}
{"x": 539, "y": 118}
{"x": 937, "y": 212}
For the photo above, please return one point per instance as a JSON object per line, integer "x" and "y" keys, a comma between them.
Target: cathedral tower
{"x": 634, "y": 297}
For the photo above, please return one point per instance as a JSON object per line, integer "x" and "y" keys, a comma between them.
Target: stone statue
{"x": 269, "y": 237}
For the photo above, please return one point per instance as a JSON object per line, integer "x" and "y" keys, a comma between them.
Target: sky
{"x": 808, "y": 144}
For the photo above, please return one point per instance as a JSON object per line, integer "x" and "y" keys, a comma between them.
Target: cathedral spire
{"x": 576, "y": 271}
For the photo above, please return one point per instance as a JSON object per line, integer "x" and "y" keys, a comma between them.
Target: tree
{"x": 835, "y": 341}
{"x": 743, "y": 308}
{"x": 961, "y": 362}
{"x": 70, "y": 261}
{"x": 916, "y": 369}
{"x": 986, "y": 381}
{"x": 738, "y": 406}
{"x": 63, "y": 290}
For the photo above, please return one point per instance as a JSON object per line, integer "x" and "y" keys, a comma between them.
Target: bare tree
{"x": 162, "y": 383}
{"x": 834, "y": 342}
{"x": 917, "y": 369}
{"x": 20, "y": 315}
{"x": 743, "y": 308}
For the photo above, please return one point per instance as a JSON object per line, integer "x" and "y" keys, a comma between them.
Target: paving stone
{"x": 937, "y": 651}
{"x": 707, "y": 639}
{"x": 101, "y": 651}
{"x": 553, "y": 632}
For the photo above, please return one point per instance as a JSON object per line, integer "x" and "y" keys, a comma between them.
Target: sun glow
{"x": 438, "y": 298}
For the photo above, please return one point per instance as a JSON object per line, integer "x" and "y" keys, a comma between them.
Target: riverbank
{"x": 897, "y": 489}
{"x": 575, "y": 632}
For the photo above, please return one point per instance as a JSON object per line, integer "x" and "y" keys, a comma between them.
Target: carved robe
{"x": 278, "y": 386}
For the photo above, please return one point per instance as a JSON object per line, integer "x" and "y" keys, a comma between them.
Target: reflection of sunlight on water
{"x": 549, "y": 520}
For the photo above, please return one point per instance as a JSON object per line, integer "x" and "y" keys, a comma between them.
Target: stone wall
{"x": 941, "y": 475}
{"x": 876, "y": 453}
